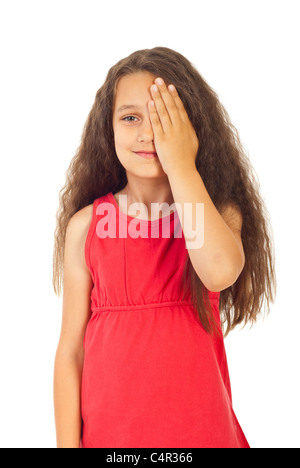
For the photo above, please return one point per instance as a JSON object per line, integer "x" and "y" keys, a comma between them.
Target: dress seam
{"x": 144, "y": 306}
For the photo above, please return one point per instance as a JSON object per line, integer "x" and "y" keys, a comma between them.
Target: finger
{"x": 161, "y": 109}
{"x": 168, "y": 100}
{"x": 179, "y": 104}
{"x": 156, "y": 125}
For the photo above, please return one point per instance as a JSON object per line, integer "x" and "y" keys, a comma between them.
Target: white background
{"x": 54, "y": 57}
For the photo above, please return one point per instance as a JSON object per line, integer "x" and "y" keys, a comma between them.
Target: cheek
{"x": 123, "y": 137}
{"x": 123, "y": 147}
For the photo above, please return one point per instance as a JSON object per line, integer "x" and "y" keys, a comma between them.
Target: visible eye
{"x": 129, "y": 117}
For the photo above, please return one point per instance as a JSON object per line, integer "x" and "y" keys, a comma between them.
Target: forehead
{"x": 134, "y": 89}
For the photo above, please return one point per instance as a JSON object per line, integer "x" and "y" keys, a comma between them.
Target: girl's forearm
{"x": 67, "y": 391}
{"x": 216, "y": 262}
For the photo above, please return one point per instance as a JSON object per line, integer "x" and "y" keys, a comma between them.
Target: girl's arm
{"x": 70, "y": 352}
{"x": 220, "y": 258}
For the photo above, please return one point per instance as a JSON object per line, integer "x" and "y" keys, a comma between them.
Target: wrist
{"x": 180, "y": 172}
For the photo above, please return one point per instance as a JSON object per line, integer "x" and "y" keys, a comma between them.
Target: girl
{"x": 141, "y": 359}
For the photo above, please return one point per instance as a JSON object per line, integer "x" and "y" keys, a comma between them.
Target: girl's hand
{"x": 175, "y": 139}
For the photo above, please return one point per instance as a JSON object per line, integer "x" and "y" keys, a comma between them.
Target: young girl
{"x": 141, "y": 359}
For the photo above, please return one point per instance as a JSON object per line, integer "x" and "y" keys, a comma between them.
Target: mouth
{"x": 146, "y": 154}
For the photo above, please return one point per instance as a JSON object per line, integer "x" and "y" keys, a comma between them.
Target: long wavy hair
{"x": 222, "y": 162}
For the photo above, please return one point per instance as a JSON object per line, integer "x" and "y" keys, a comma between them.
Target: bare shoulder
{"x": 81, "y": 220}
{"x": 77, "y": 230}
{"x": 232, "y": 215}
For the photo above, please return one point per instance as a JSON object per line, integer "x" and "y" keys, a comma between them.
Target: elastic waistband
{"x": 154, "y": 305}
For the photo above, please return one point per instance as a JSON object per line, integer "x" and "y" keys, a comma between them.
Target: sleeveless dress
{"x": 152, "y": 377}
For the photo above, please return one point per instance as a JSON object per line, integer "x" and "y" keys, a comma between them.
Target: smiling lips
{"x": 146, "y": 154}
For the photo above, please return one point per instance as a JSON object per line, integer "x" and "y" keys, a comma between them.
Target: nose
{"x": 146, "y": 131}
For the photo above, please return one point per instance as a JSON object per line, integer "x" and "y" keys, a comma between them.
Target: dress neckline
{"x": 129, "y": 219}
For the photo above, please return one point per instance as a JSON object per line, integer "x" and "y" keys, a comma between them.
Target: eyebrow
{"x": 129, "y": 106}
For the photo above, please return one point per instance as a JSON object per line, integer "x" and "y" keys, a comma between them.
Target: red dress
{"x": 152, "y": 377}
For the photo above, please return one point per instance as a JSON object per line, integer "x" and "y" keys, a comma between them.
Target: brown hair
{"x": 221, "y": 161}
